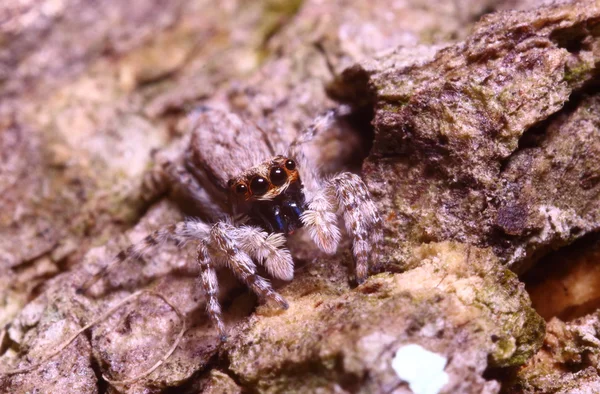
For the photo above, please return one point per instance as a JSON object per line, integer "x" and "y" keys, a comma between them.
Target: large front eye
{"x": 278, "y": 176}
{"x": 259, "y": 186}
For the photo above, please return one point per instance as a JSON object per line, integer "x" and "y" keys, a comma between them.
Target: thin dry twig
{"x": 112, "y": 310}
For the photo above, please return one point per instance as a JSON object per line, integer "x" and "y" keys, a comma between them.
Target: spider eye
{"x": 290, "y": 164}
{"x": 278, "y": 176}
{"x": 259, "y": 185}
{"x": 241, "y": 189}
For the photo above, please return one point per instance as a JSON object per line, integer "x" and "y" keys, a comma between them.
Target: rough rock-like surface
{"x": 466, "y": 147}
{"x": 567, "y": 363}
{"x": 479, "y": 159}
{"x": 564, "y": 290}
{"x": 456, "y": 300}
{"x": 39, "y": 332}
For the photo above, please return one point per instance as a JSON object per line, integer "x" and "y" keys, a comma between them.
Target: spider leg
{"x": 267, "y": 249}
{"x": 349, "y": 192}
{"x": 321, "y": 221}
{"x": 223, "y": 241}
{"x": 180, "y": 233}
{"x": 210, "y": 285}
{"x": 250, "y": 241}
{"x": 361, "y": 219}
{"x": 155, "y": 183}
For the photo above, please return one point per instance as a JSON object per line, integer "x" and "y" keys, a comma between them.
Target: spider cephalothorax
{"x": 244, "y": 216}
{"x": 271, "y": 195}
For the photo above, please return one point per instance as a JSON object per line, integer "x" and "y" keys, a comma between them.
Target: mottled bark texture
{"x": 485, "y": 157}
{"x": 491, "y": 141}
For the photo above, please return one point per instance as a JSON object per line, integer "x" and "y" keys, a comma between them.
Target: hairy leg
{"x": 321, "y": 220}
{"x": 210, "y": 286}
{"x": 267, "y": 249}
{"x": 361, "y": 219}
{"x": 180, "y": 233}
{"x": 348, "y": 192}
{"x": 222, "y": 241}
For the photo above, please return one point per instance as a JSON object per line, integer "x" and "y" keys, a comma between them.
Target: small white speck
{"x": 422, "y": 369}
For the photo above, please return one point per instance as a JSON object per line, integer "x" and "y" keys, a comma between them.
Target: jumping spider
{"x": 243, "y": 217}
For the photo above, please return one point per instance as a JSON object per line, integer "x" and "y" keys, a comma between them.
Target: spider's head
{"x": 271, "y": 194}
{"x": 266, "y": 181}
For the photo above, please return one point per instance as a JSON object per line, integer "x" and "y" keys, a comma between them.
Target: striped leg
{"x": 210, "y": 285}
{"x": 223, "y": 241}
{"x": 361, "y": 219}
{"x": 179, "y": 233}
{"x": 349, "y": 192}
